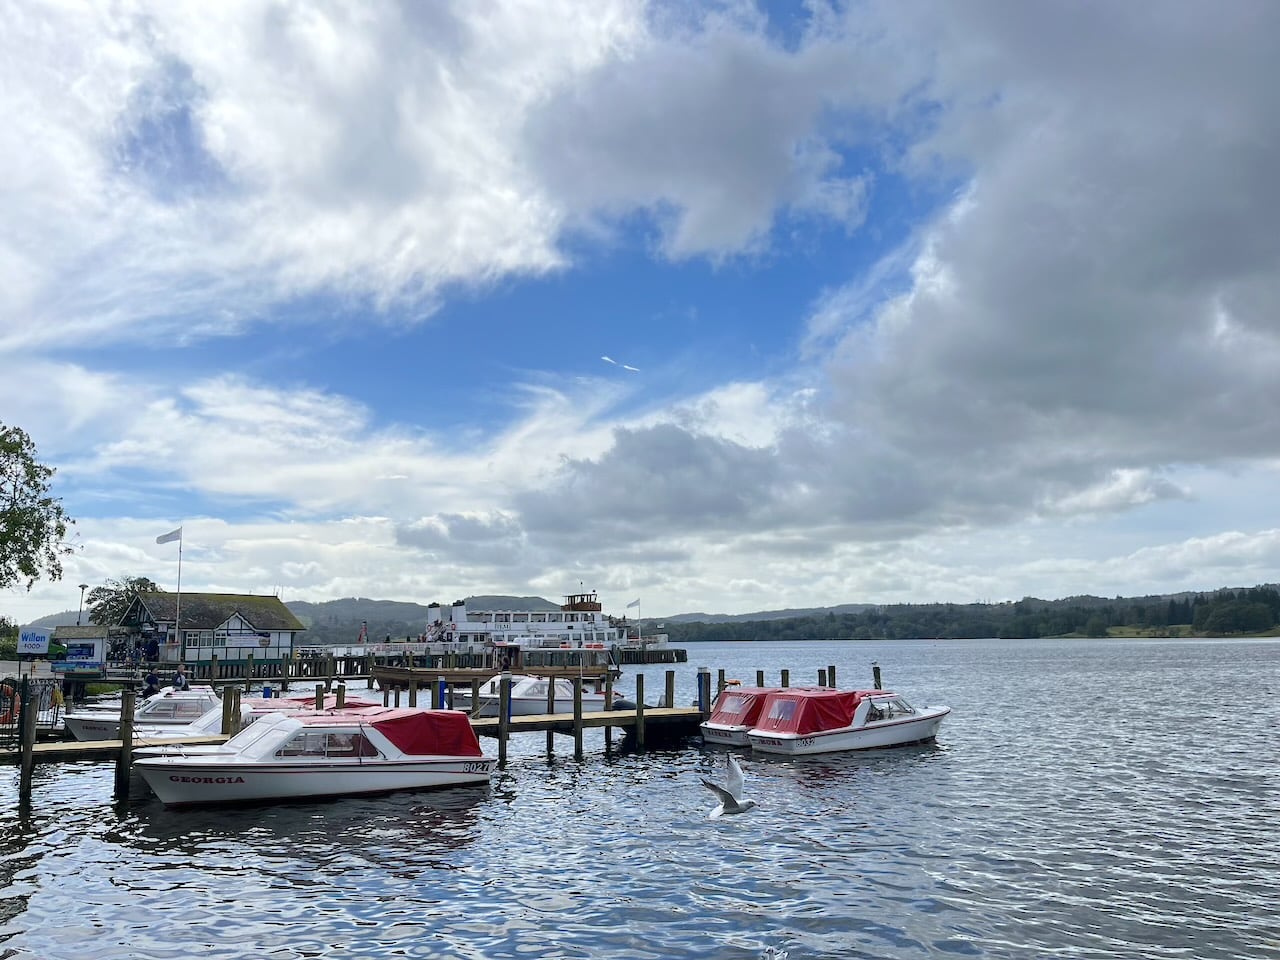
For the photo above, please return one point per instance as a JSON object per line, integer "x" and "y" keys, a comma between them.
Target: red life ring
{"x": 13, "y": 704}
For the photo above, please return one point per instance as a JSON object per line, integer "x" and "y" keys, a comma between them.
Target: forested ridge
{"x": 1255, "y": 610}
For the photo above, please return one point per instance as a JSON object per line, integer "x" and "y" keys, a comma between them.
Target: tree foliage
{"x": 108, "y": 603}
{"x": 33, "y": 525}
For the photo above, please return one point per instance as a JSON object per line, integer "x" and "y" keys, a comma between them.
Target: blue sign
{"x": 33, "y": 640}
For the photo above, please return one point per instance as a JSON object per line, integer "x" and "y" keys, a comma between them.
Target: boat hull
{"x": 195, "y": 780}
{"x": 920, "y": 728}
{"x": 725, "y": 734}
{"x": 107, "y": 727}
{"x": 526, "y": 707}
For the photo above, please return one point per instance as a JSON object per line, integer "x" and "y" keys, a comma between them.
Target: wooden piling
{"x": 248, "y": 671}
{"x": 759, "y": 678}
{"x": 786, "y": 678}
{"x": 504, "y": 714}
{"x": 29, "y": 714}
{"x": 125, "y": 759}
{"x": 551, "y": 708}
{"x": 213, "y": 667}
{"x": 237, "y": 721}
{"x": 875, "y": 675}
{"x": 340, "y": 695}
{"x": 608, "y": 705}
{"x": 822, "y": 678}
{"x": 640, "y": 709}
{"x": 669, "y": 696}
{"x": 577, "y": 717}
{"x": 226, "y": 711}
{"x": 831, "y": 674}
{"x": 413, "y": 693}
{"x": 720, "y": 682}
{"x": 319, "y": 696}
{"x": 704, "y": 692}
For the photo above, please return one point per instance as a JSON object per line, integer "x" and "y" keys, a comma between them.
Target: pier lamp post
{"x": 83, "y": 588}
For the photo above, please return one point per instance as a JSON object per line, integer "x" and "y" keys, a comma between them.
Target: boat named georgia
{"x": 342, "y": 752}
{"x": 799, "y": 721}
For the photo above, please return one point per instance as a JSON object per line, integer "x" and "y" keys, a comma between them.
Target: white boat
{"x": 207, "y": 724}
{"x": 334, "y": 753}
{"x": 169, "y": 707}
{"x": 528, "y": 696}
{"x": 801, "y": 721}
{"x": 735, "y": 711}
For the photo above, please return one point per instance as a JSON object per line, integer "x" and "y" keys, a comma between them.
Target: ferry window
{"x": 782, "y": 710}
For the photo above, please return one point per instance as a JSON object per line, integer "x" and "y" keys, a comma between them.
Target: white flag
{"x": 171, "y": 536}
{"x": 633, "y": 603}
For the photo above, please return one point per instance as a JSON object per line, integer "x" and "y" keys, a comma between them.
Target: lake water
{"x": 1110, "y": 799}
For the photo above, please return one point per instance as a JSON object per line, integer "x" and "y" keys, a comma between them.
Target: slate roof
{"x": 205, "y": 611}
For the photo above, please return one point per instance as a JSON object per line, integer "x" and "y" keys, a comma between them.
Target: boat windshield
{"x": 319, "y": 743}
{"x": 172, "y": 709}
{"x": 782, "y": 710}
{"x": 734, "y": 703}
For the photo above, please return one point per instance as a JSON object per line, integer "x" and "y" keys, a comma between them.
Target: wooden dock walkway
{"x": 677, "y": 721}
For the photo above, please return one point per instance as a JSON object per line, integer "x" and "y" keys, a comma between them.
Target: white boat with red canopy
{"x": 336, "y": 753}
{"x": 736, "y": 710}
{"x": 168, "y": 708}
{"x": 799, "y": 721}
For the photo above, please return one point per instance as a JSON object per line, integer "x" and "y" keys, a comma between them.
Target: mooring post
{"x": 236, "y": 721}
{"x": 551, "y": 708}
{"x": 577, "y": 718}
{"x": 504, "y": 714}
{"x": 125, "y": 759}
{"x": 875, "y": 675}
{"x": 319, "y": 696}
{"x": 386, "y": 696}
{"x": 443, "y": 700}
{"x": 831, "y": 674}
{"x": 29, "y": 714}
{"x": 720, "y": 684}
{"x": 226, "y": 711}
{"x": 328, "y": 684}
{"x": 608, "y": 705}
{"x": 786, "y": 678}
{"x": 340, "y": 695}
{"x": 213, "y": 668}
{"x": 822, "y": 677}
{"x": 669, "y": 695}
{"x": 704, "y": 692}
{"x": 413, "y": 693}
{"x": 640, "y": 709}
{"x": 759, "y": 678}
{"x": 475, "y": 696}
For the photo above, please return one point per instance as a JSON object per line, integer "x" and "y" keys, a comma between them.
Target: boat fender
{"x": 733, "y": 683}
{"x": 10, "y": 702}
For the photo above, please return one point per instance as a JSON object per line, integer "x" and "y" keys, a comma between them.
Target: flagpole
{"x": 177, "y": 616}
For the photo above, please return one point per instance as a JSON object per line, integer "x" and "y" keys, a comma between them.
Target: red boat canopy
{"x": 738, "y": 705}
{"x": 425, "y": 732}
{"x": 804, "y": 711}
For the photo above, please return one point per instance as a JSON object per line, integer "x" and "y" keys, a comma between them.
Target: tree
{"x": 108, "y": 603}
{"x": 33, "y": 525}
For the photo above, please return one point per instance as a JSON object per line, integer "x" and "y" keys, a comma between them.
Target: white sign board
{"x": 33, "y": 640}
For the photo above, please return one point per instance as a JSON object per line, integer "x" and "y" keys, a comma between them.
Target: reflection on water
{"x": 1089, "y": 799}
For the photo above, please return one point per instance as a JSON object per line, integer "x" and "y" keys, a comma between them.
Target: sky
{"x": 723, "y": 306}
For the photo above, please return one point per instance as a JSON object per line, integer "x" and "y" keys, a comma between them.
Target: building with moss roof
{"x": 228, "y": 626}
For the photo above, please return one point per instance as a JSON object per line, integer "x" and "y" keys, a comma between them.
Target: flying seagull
{"x": 730, "y": 795}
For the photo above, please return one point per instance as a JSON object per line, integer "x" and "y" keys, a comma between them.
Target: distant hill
{"x": 765, "y": 614}
{"x": 67, "y": 618}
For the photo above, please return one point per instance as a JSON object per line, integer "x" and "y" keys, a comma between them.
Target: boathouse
{"x": 227, "y": 626}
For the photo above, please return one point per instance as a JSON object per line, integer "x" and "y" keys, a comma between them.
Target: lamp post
{"x": 83, "y": 588}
